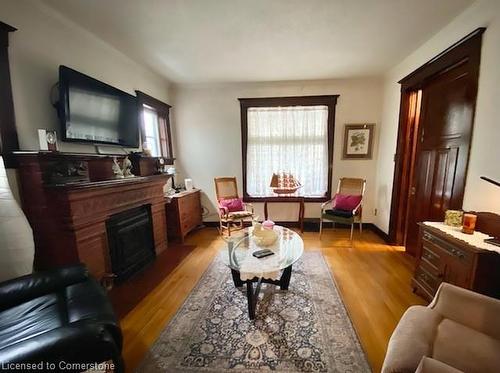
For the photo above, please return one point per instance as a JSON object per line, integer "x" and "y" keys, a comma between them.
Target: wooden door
{"x": 442, "y": 153}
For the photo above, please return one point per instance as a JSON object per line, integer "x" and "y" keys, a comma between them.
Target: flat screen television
{"x": 95, "y": 112}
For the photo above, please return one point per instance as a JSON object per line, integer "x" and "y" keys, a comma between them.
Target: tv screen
{"x": 93, "y": 111}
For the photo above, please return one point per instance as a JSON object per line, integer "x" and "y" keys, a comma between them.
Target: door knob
{"x": 413, "y": 190}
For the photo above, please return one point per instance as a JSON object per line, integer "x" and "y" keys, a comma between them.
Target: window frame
{"x": 326, "y": 100}
{"x": 8, "y": 133}
{"x": 163, "y": 111}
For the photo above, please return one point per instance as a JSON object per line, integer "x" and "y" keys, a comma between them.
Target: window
{"x": 155, "y": 126}
{"x": 151, "y": 131}
{"x": 292, "y": 135}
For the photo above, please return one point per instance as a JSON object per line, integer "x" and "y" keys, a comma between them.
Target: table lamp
{"x": 495, "y": 240}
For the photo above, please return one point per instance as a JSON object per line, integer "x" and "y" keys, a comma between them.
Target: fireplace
{"x": 131, "y": 242}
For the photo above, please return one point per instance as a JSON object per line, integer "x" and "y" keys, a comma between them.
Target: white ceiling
{"x": 191, "y": 41}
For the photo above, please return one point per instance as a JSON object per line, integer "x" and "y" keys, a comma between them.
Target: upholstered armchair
{"x": 50, "y": 316}
{"x": 458, "y": 332}
{"x": 60, "y": 315}
{"x": 232, "y": 210}
{"x": 352, "y": 189}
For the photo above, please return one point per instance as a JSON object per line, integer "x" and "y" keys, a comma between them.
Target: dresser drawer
{"x": 427, "y": 280}
{"x": 436, "y": 245}
{"x": 184, "y": 214}
{"x": 432, "y": 257}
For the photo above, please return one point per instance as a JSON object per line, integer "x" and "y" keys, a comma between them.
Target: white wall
{"x": 44, "y": 41}
{"x": 485, "y": 148}
{"x": 208, "y": 136}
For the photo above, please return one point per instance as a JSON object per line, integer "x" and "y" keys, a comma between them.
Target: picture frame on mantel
{"x": 358, "y": 141}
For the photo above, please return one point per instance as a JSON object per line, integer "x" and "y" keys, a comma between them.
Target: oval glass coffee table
{"x": 275, "y": 269}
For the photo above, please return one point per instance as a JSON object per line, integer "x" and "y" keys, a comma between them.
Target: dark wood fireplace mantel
{"x": 69, "y": 219}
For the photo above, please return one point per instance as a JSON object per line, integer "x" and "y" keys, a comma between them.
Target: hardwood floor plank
{"x": 373, "y": 279}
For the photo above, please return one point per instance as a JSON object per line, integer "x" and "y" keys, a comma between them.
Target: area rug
{"x": 304, "y": 329}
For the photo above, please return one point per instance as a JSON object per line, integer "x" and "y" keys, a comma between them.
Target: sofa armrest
{"x": 84, "y": 342}
{"x": 411, "y": 340}
{"x": 468, "y": 308}
{"x": 248, "y": 207}
{"x": 21, "y": 289}
{"x": 428, "y": 365}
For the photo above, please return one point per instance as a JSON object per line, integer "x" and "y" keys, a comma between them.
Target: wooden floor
{"x": 373, "y": 279}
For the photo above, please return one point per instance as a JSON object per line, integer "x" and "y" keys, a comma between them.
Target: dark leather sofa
{"x": 59, "y": 320}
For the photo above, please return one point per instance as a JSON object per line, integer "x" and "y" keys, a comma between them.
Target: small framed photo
{"x": 358, "y": 141}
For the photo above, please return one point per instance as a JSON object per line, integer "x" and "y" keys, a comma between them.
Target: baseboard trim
{"x": 312, "y": 225}
{"x": 379, "y": 232}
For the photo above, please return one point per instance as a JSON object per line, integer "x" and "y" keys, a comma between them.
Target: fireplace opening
{"x": 131, "y": 241}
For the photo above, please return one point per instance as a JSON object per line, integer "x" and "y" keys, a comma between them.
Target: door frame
{"x": 466, "y": 50}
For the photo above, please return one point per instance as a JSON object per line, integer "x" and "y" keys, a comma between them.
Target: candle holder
{"x": 469, "y": 223}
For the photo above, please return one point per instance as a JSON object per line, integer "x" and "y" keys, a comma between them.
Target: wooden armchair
{"x": 351, "y": 186}
{"x": 226, "y": 188}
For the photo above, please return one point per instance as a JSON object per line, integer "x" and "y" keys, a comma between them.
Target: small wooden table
{"x": 287, "y": 199}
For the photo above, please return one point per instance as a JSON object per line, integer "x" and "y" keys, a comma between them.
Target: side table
{"x": 291, "y": 199}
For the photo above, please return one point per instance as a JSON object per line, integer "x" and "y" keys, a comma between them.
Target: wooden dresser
{"x": 183, "y": 214}
{"x": 443, "y": 257}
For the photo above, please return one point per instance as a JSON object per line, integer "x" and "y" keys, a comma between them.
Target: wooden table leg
{"x": 252, "y": 297}
{"x": 285, "y": 278}
{"x": 301, "y": 217}
{"x": 236, "y": 278}
{"x": 265, "y": 210}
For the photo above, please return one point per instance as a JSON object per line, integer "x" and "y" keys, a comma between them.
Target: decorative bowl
{"x": 263, "y": 236}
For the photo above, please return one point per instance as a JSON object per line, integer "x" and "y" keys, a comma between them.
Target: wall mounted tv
{"x": 95, "y": 112}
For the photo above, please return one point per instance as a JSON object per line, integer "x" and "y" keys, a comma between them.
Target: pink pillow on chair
{"x": 346, "y": 202}
{"x": 233, "y": 204}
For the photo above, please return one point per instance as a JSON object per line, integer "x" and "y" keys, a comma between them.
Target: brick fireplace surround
{"x": 69, "y": 219}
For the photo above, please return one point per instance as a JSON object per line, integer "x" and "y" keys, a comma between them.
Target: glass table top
{"x": 288, "y": 248}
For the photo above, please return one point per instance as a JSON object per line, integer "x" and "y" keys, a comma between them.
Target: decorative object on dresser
{"x": 453, "y": 218}
{"x": 143, "y": 165}
{"x": 47, "y": 139}
{"x": 283, "y": 183}
{"x": 183, "y": 213}
{"x": 448, "y": 255}
{"x": 117, "y": 171}
{"x": 127, "y": 168}
{"x": 469, "y": 223}
{"x": 69, "y": 218}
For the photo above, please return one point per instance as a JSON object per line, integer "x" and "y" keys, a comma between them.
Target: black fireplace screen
{"x": 131, "y": 241}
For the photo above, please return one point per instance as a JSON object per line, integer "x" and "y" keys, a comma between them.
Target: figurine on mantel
{"x": 117, "y": 171}
{"x": 127, "y": 168}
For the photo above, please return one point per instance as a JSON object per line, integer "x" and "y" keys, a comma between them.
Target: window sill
{"x": 285, "y": 199}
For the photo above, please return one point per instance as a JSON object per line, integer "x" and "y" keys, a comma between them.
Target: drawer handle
{"x": 428, "y": 256}
{"x": 458, "y": 253}
{"x": 424, "y": 277}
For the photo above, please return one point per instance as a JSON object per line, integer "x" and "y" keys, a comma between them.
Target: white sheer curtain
{"x": 292, "y": 139}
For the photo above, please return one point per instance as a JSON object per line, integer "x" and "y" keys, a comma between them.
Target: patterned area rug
{"x": 304, "y": 329}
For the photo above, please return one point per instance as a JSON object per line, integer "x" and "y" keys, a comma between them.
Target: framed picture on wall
{"x": 358, "y": 141}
